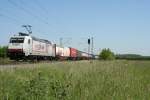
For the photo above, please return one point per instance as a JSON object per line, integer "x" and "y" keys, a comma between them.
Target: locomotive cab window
{"x": 17, "y": 40}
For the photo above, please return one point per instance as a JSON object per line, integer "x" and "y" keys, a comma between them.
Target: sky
{"x": 121, "y": 25}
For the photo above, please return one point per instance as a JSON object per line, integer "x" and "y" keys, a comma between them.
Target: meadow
{"x": 79, "y": 80}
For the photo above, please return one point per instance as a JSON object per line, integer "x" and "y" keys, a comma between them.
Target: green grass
{"x": 81, "y": 80}
{"x": 4, "y": 61}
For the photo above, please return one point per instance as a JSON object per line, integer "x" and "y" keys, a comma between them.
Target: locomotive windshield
{"x": 16, "y": 40}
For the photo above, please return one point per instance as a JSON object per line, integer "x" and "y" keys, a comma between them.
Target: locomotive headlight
{"x": 16, "y": 44}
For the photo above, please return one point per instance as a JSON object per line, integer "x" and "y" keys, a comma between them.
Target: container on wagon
{"x": 59, "y": 51}
{"x": 79, "y": 54}
{"x": 85, "y": 54}
{"x": 66, "y": 52}
{"x": 73, "y": 52}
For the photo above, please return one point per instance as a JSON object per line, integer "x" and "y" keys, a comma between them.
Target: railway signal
{"x": 89, "y": 42}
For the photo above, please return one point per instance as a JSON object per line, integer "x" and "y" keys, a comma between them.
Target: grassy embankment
{"x": 4, "y": 61}
{"x": 100, "y": 80}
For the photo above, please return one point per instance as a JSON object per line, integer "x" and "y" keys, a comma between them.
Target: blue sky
{"x": 121, "y": 25}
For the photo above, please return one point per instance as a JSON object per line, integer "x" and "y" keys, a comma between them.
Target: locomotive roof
{"x": 41, "y": 40}
{"x": 34, "y": 38}
{"x": 23, "y": 34}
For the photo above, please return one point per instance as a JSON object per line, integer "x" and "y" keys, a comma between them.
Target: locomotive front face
{"x": 17, "y": 47}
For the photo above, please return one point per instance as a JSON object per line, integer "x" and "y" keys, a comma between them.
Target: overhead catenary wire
{"x": 27, "y": 11}
{"x": 43, "y": 9}
{"x": 10, "y": 18}
{"x": 65, "y": 41}
{"x": 40, "y": 6}
{"x": 13, "y": 19}
{"x": 82, "y": 43}
{"x": 19, "y": 22}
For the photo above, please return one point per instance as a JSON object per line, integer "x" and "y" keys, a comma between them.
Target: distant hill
{"x": 132, "y": 57}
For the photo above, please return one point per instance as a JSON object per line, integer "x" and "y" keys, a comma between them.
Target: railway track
{"x": 30, "y": 64}
{"x": 26, "y": 63}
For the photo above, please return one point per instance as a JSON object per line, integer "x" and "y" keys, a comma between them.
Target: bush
{"x": 3, "y": 51}
{"x": 106, "y": 54}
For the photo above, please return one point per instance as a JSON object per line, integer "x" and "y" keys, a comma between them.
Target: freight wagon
{"x": 62, "y": 53}
{"x": 73, "y": 54}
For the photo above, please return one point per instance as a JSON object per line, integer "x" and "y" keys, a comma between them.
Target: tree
{"x": 106, "y": 54}
{"x": 3, "y": 51}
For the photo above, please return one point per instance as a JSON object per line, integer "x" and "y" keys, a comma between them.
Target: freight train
{"x": 26, "y": 47}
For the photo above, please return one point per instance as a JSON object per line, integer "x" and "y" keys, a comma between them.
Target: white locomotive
{"x": 24, "y": 46}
